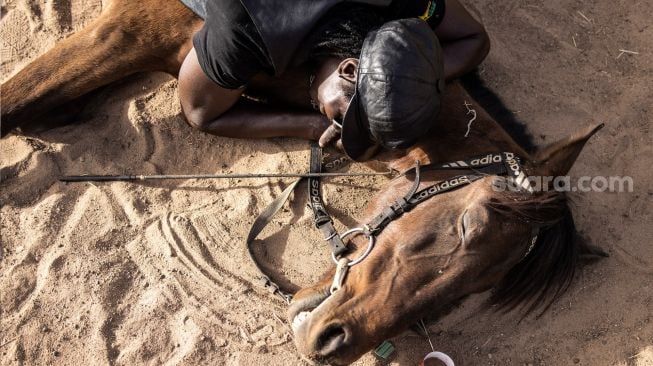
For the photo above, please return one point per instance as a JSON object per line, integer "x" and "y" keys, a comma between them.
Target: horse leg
{"x": 128, "y": 37}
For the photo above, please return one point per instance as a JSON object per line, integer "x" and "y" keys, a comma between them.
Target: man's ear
{"x": 348, "y": 69}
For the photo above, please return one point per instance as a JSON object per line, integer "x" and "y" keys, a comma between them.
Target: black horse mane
{"x": 548, "y": 269}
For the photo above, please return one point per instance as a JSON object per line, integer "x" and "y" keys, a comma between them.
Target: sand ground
{"x": 157, "y": 273}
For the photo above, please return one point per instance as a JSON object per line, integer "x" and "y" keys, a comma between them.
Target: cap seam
{"x": 402, "y": 77}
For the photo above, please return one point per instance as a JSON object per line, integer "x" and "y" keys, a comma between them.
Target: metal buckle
{"x": 339, "y": 277}
{"x": 265, "y": 282}
{"x": 370, "y": 245}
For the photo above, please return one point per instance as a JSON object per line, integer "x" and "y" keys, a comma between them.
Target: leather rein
{"x": 505, "y": 163}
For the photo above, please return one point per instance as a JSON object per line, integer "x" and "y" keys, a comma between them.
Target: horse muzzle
{"x": 319, "y": 338}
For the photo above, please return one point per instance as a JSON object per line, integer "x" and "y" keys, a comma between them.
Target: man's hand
{"x": 331, "y": 136}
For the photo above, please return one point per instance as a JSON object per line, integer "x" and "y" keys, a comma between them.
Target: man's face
{"x": 333, "y": 88}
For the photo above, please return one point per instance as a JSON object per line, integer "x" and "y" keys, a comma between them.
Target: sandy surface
{"x": 157, "y": 273}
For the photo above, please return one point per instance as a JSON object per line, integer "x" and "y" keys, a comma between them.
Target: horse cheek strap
{"x": 322, "y": 218}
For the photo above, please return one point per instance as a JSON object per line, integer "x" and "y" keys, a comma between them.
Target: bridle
{"x": 505, "y": 163}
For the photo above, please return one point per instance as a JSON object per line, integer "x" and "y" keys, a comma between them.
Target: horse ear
{"x": 557, "y": 158}
{"x": 587, "y": 250}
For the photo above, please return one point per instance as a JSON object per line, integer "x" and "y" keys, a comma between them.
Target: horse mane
{"x": 546, "y": 272}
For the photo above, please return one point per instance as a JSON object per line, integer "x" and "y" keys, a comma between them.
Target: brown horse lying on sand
{"x": 465, "y": 241}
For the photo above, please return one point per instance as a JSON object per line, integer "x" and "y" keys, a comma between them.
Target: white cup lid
{"x": 440, "y": 356}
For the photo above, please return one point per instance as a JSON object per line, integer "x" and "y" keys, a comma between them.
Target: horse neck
{"x": 450, "y": 138}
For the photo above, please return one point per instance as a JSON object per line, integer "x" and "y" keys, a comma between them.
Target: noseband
{"x": 505, "y": 163}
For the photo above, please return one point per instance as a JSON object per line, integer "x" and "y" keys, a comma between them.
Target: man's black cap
{"x": 397, "y": 98}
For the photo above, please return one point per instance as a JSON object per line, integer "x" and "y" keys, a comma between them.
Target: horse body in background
{"x": 127, "y": 38}
{"x": 462, "y": 242}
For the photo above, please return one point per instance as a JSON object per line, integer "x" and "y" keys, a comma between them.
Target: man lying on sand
{"x": 373, "y": 72}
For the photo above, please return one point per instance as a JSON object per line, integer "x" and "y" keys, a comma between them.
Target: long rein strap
{"x": 322, "y": 219}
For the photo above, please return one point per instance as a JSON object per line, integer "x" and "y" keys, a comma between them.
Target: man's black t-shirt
{"x": 230, "y": 49}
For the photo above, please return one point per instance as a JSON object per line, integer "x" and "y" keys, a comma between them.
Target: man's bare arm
{"x": 464, "y": 40}
{"x": 248, "y": 119}
{"x": 219, "y": 111}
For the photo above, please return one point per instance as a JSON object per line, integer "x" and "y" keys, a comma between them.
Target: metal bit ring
{"x": 370, "y": 245}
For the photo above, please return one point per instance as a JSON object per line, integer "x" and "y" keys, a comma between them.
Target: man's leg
{"x": 220, "y": 111}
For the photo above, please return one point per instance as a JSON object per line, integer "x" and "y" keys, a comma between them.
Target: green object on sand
{"x": 384, "y": 350}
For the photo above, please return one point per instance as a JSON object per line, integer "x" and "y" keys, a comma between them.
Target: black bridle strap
{"x": 471, "y": 164}
{"x": 322, "y": 218}
{"x": 399, "y": 206}
{"x": 405, "y": 204}
{"x": 493, "y": 162}
{"x": 489, "y": 164}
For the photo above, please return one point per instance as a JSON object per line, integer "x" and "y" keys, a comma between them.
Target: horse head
{"x": 469, "y": 240}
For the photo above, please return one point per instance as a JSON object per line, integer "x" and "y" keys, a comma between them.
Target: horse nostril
{"x": 332, "y": 339}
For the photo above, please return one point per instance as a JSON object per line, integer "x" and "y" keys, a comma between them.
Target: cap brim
{"x": 355, "y": 132}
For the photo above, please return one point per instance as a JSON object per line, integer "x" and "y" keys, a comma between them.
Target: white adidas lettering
{"x": 315, "y": 194}
{"x": 488, "y": 159}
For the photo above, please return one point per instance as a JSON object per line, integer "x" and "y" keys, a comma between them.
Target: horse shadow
{"x": 477, "y": 88}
